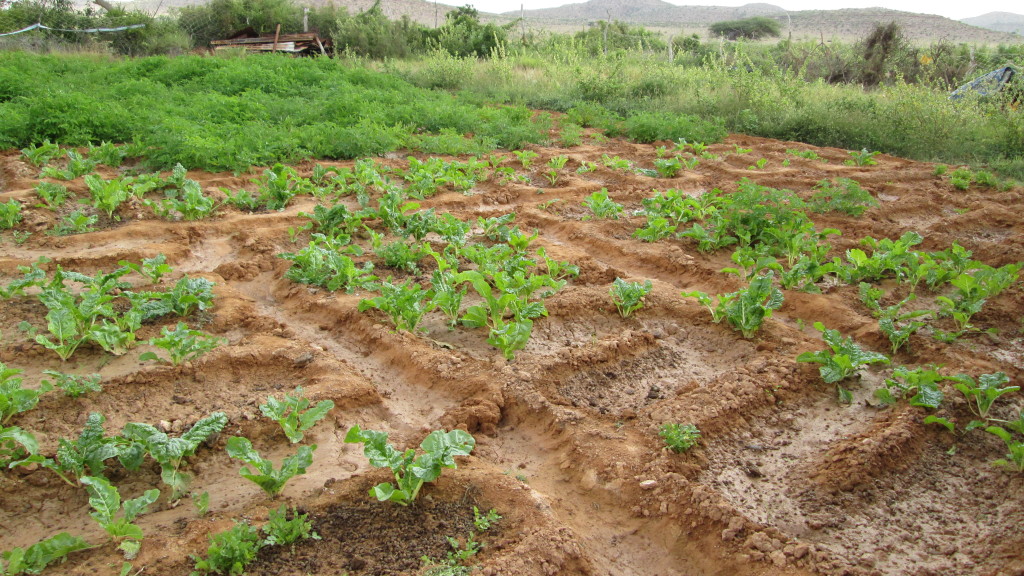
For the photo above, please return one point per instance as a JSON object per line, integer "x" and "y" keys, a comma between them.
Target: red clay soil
{"x": 785, "y": 479}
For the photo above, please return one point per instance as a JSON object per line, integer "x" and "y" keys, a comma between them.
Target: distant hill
{"x": 1000, "y": 21}
{"x": 846, "y": 24}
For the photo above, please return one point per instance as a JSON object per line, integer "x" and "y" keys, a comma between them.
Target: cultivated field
{"x": 791, "y": 475}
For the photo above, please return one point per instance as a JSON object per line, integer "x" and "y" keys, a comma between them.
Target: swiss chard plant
{"x": 984, "y": 391}
{"x": 35, "y": 558}
{"x": 16, "y": 444}
{"x": 86, "y": 455}
{"x": 628, "y": 297}
{"x": 14, "y": 397}
{"x": 1014, "y": 459}
{"x": 921, "y": 384}
{"x": 116, "y": 517}
{"x": 170, "y": 452}
{"x": 295, "y": 413}
{"x": 182, "y": 344}
{"x": 746, "y": 309}
{"x": 602, "y": 206}
{"x": 843, "y": 358}
{"x": 439, "y": 450}
{"x": 261, "y": 471}
{"x": 230, "y": 551}
{"x": 10, "y": 214}
{"x": 405, "y": 303}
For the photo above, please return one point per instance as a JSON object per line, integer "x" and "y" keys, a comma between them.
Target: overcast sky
{"x": 948, "y": 8}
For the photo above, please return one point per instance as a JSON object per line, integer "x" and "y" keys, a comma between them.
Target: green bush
{"x": 654, "y": 126}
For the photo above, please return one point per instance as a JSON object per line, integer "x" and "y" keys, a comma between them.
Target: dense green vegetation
{"x": 220, "y": 113}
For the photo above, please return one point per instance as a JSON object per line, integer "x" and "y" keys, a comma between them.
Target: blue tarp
{"x": 988, "y": 85}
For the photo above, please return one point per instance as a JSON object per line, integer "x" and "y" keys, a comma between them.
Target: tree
{"x": 750, "y": 28}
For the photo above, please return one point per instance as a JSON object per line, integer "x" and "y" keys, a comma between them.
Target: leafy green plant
{"x": 108, "y": 154}
{"x": 230, "y": 551}
{"x": 759, "y": 165}
{"x": 405, "y": 303}
{"x": 107, "y": 195}
{"x": 668, "y": 167}
{"x": 154, "y": 269}
{"x": 484, "y": 520}
{"x": 41, "y": 154}
{"x": 74, "y": 385}
{"x": 77, "y": 165}
{"x": 526, "y": 157}
{"x": 77, "y": 222}
{"x": 843, "y": 358}
{"x": 862, "y": 158}
{"x": 1015, "y": 457}
{"x": 14, "y": 399}
{"x": 170, "y": 452}
{"x": 182, "y": 344}
{"x": 921, "y": 384}
{"x": 628, "y": 297}
{"x": 16, "y": 444}
{"x": 603, "y": 207}
{"x": 984, "y": 391}
{"x": 53, "y": 195}
{"x": 439, "y": 451}
{"x": 105, "y": 501}
{"x": 38, "y": 556}
{"x": 10, "y": 214}
{"x": 808, "y": 154}
{"x": 555, "y": 165}
{"x": 295, "y": 414}
{"x": 843, "y": 195}
{"x": 746, "y": 309}
{"x": 282, "y": 531}
{"x": 615, "y": 162}
{"x": 679, "y": 437}
{"x": 187, "y": 203}
{"x": 321, "y": 264}
{"x": 261, "y": 471}
{"x": 88, "y": 453}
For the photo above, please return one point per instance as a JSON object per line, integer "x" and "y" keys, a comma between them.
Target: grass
{"x": 233, "y": 113}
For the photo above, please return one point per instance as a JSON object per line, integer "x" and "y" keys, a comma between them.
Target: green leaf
{"x": 103, "y": 498}
{"x": 932, "y": 419}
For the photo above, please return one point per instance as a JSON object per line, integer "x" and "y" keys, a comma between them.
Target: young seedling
{"x": 13, "y": 398}
{"x": 922, "y": 382}
{"x": 77, "y": 222}
{"x": 294, "y": 413}
{"x": 862, "y": 158}
{"x": 405, "y": 303}
{"x": 746, "y": 309}
{"x": 152, "y": 269}
{"x": 105, "y": 501}
{"x": 262, "y": 472}
{"x": 10, "y": 214}
{"x": 41, "y": 154}
{"x": 555, "y": 165}
{"x": 411, "y": 472}
{"x": 16, "y": 444}
{"x": 526, "y": 157}
{"x": 230, "y": 551}
{"x": 280, "y": 531}
{"x": 628, "y": 297}
{"x": 1015, "y": 458}
{"x": 182, "y": 344}
{"x": 843, "y": 359}
{"x": 170, "y": 452}
{"x": 603, "y": 207}
{"x": 679, "y": 437}
{"x": 984, "y": 391}
{"x": 37, "y": 557}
